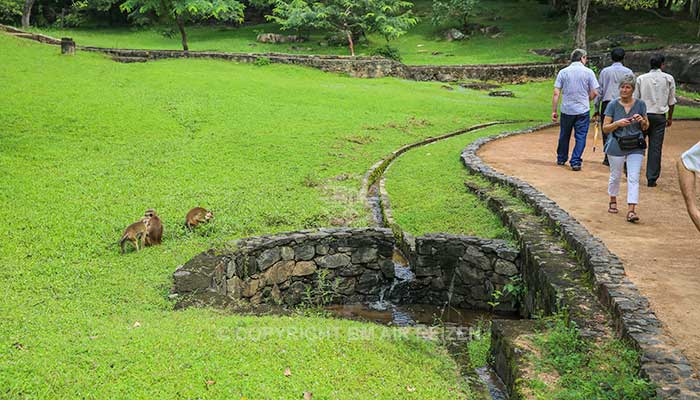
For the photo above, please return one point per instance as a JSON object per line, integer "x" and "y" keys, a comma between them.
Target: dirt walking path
{"x": 661, "y": 254}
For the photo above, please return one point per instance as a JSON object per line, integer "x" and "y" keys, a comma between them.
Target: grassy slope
{"x": 524, "y": 24}
{"x": 426, "y": 187}
{"x": 87, "y": 144}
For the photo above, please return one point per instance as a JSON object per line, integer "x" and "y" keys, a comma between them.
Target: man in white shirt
{"x": 658, "y": 90}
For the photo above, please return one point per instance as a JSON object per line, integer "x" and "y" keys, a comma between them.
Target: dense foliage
{"x": 453, "y": 11}
{"x": 10, "y": 11}
{"x": 184, "y": 11}
{"x": 351, "y": 18}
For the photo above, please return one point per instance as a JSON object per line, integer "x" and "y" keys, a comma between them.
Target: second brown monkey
{"x": 155, "y": 228}
{"x": 197, "y": 216}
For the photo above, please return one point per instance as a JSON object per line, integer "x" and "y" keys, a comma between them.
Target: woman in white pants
{"x": 626, "y": 118}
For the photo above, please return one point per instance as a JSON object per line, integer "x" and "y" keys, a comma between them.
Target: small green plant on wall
{"x": 515, "y": 289}
{"x": 323, "y": 292}
{"x": 262, "y": 61}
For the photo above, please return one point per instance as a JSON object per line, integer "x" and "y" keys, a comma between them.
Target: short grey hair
{"x": 628, "y": 79}
{"x": 578, "y": 54}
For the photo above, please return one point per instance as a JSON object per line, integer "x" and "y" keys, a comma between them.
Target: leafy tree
{"x": 450, "y": 11}
{"x": 184, "y": 11}
{"x": 390, "y": 18}
{"x": 10, "y": 10}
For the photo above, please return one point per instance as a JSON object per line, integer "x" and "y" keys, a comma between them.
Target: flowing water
{"x": 375, "y": 205}
{"x": 454, "y": 326}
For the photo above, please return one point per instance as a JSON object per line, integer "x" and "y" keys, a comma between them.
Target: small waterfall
{"x": 402, "y": 273}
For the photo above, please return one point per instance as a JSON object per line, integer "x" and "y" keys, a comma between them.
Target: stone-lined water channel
{"x": 440, "y": 288}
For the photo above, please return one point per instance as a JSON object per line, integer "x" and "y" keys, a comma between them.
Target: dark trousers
{"x": 579, "y": 124}
{"x": 603, "y": 106}
{"x": 655, "y": 133}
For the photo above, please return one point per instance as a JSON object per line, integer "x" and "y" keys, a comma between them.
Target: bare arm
{"x": 608, "y": 125}
{"x": 601, "y": 90}
{"x": 593, "y": 87}
{"x": 686, "y": 179}
{"x": 555, "y": 103}
{"x": 669, "y": 119}
{"x": 592, "y": 94}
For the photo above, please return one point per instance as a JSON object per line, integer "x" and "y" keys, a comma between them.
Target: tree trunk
{"x": 350, "y": 42}
{"x": 694, "y": 8}
{"x": 26, "y": 13}
{"x": 183, "y": 34}
{"x": 580, "y": 19}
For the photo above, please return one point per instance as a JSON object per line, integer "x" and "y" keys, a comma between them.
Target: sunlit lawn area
{"x": 525, "y": 26}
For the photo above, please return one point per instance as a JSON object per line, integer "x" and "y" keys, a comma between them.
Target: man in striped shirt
{"x": 577, "y": 86}
{"x": 609, "y": 80}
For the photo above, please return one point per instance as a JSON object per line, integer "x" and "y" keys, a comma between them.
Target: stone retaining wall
{"x": 493, "y": 72}
{"x": 360, "y": 67}
{"x": 352, "y": 266}
{"x": 463, "y": 270}
{"x": 682, "y": 61}
{"x": 281, "y": 268}
{"x": 661, "y": 362}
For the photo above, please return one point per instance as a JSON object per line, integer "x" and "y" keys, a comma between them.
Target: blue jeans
{"x": 579, "y": 123}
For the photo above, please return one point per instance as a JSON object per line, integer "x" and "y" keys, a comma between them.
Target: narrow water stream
{"x": 455, "y": 325}
{"x": 375, "y": 205}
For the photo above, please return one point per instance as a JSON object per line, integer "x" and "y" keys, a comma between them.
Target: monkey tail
{"x": 121, "y": 242}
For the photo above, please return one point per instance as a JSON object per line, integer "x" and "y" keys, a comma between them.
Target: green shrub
{"x": 386, "y": 51}
{"x": 262, "y": 61}
{"x": 10, "y": 11}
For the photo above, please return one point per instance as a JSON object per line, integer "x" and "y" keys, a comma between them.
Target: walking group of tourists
{"x": 634, "y": 113}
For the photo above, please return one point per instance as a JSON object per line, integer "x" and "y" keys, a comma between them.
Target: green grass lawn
{"x": 524, "y": 23}
{"x": 427, "y": 193}
{"x": 88, "y": 144}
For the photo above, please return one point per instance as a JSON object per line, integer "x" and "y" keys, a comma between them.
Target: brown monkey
{"x": 196, "y": 216}
{"x": 155, "y": 228}
{"x": 135, "y": 233}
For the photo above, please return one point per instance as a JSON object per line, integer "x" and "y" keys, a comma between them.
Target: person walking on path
{"x": 609, "y": 80}
{"x": 577, "y": 86}
{"x": 688, "y": 171}
{"x": 625, "y": 120}
{"x": 658, "y": 90}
